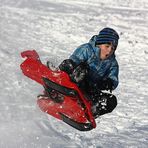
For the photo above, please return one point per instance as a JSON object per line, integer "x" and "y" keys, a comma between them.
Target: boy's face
{"x": 106, "y": 51}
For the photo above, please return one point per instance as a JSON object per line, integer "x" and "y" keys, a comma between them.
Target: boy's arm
{"x": 110, "y": 82}
{"x": 81, "y": 54}
{"x": 114, "y": 71}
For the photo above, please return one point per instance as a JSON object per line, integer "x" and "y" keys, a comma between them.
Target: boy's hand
{"x": 67, "y": 66}
{"x": 79, "y": 72}
{"x": 106, "y": 84}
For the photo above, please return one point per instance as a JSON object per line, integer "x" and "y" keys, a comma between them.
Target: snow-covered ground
{"x": 55, "y": 28}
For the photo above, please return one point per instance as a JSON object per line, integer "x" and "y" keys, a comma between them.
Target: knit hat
{"x": 107, "y": 35}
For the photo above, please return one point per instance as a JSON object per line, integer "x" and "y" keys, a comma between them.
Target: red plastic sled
{"x": 74, "y": 109}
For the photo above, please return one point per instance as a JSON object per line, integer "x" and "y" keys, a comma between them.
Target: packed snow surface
{"x": 55, "y": 28}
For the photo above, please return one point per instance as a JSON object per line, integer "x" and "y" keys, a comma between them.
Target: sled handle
{"x": 30, "y": 54}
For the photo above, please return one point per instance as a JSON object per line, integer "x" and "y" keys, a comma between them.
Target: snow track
{"x": 55, "y": 28}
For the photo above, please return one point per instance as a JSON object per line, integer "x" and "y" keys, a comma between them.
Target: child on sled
{"x": 94, "y": 68}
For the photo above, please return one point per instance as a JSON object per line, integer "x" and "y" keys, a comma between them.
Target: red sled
{"x": 72, "y": 107}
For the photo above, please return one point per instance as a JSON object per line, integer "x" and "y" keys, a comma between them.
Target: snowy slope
{"x": 55, "y": 28}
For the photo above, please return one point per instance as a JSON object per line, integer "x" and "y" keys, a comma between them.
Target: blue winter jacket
{"x": 99, "y": 69}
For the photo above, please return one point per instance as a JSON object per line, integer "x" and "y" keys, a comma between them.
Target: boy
{"x": 93, "y": 68}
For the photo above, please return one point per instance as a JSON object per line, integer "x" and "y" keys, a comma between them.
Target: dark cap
{"x": 107, "y": 35}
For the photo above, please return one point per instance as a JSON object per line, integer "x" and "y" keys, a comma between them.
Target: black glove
{"x": 67, "y": 66}
{"x": 80, "y": 72}
{"x": 106, "y": 84}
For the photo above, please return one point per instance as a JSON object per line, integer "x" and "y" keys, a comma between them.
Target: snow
{"x": 55, "y": 28}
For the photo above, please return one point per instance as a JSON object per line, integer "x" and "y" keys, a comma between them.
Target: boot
{"x": 105, "y": 104}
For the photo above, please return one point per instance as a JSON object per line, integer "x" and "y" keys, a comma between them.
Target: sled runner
{"x": 62, "y": 98}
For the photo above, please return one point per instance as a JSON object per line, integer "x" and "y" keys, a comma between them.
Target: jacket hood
{"x": 93, "y": 40}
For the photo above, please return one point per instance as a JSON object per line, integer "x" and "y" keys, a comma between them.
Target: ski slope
{"x": 55, "y": 28}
